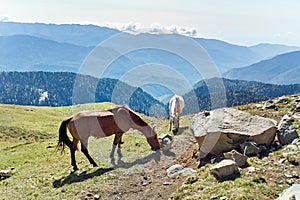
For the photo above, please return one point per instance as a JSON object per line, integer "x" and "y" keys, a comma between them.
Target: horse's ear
{"x": 154, "y": 127}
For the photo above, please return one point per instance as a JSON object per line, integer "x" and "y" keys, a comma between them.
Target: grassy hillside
{"x": 28, "y": 137}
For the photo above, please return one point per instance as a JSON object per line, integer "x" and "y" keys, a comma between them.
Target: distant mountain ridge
{"x": 57, "y": 89}
{"x": 26, "y": 53}
{"x": 236, "y": 92}
{"x": 225, "y": 55}
{"x": 281, "y": 69}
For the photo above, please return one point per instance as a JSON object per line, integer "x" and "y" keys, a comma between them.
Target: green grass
{"x": 28, "y": 138}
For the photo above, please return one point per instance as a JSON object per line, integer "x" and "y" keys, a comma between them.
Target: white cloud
{"x": 154, "y": 28}
{"x": 5, "y": 19}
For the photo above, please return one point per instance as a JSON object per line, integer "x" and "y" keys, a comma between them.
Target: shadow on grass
{"x": 156, "y": 156}
{"x": 74, "y": 178}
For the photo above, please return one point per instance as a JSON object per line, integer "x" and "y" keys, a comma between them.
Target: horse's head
{"x": 153, "y": 141}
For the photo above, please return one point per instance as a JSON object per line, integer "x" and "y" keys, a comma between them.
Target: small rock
{"x": 225, "y": 169}
{"x": 167, "y": 183}
{"x": 166, "y": 141}
{"x": 282, "y": 160}
{"x": 288, "y": 175}
{"x": 224, "y": 198}
{"x": 96, "y": 197}
{"x": 250, "y": 148}
{"x": 251, "y": 169}
{"x": 240, "y": 159}
{"x": 179, "y": 170}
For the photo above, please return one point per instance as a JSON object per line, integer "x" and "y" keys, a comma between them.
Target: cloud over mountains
{"x": 155, "y": 28}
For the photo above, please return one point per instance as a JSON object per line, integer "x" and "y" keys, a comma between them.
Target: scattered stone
{"x": 96, "y": 197}
{"x": 224, "y": 198}
{"x": 179, "y": 170}
{"x": 286, "y": 131}
{"x": 290, "y": 193}
{"x": 166, "y": 141}
{"x": 214, "y": 197}
{"x": 291, "y": 148}
{"x": 258, "y": 105}
{"x": 250, "y": 148}
{"x": 225, "y": 129}
{"x": 167, "y": 183}
{"x": 240, "y": 159}
{"x": 6, "y": 173}
{"x": 225, "y": 169}
{"x": 251, "y": 169}
{"x": 296, "y": 142}
{"x": 269, "y": 105}
{"x": 282, "y": 160}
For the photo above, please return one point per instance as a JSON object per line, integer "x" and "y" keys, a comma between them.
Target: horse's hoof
{"x": 75, "y": 169}
{"x": 95, "y": 165}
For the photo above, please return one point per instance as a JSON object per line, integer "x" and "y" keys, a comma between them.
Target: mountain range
{"x": 31, "y": 47}
{"x": 281, "y": 69}
{"x": 78, "y": 40}
{"x": 66, "y": 88}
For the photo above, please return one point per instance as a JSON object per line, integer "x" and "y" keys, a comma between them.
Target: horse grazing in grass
{"x": 102, "y": 123}
{"x": 176, "y": 104}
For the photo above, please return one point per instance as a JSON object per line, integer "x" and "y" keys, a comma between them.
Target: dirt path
{"x": 152, "y": 182}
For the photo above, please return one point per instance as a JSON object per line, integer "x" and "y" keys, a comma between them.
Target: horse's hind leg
{"x": 73, "y": 160}
{"x": 86, "y": 153}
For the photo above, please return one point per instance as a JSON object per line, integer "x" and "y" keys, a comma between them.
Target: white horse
{"x": 176, "y": 104}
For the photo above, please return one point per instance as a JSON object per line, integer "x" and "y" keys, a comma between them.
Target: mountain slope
{"x": 236, "y": 92}
{"x": 82, "y": 35}
{"x": 270, "y": 50}
{"x": 64, "y": 88}
{"x": 282, "y": 69}
{"x": 23, "y": 52}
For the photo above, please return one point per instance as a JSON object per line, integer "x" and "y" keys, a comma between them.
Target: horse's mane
{"x": 136, "y": 118}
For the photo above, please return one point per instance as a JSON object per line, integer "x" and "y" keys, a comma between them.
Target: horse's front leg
{"x": 170, "y": 125}
{"x": 118, "y": 139}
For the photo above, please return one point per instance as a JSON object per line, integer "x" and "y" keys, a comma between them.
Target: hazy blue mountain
{"x": 28, "y": 53}
{"x": 225, "y": 55}
{"x": 270, "y": 50}
{"x": 82, "y": 35}
{"x": 282, "y": 69}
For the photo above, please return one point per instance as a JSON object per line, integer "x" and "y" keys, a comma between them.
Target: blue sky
{"x": 245, "y": 22}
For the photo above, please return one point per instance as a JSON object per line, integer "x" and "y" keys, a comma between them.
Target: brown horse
{"x": 102, "y": 123}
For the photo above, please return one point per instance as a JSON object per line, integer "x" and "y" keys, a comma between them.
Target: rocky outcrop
{"x": 286, "y": 131}
{"x": 224, "y": 129}
{"x": 291, "y": 193}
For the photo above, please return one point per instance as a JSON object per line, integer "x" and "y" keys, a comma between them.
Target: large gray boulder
{"x": 291, "y": 193}
{"x": 224, "y": 129}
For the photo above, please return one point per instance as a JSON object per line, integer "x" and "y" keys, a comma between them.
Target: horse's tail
{"x": 63, "y": 138}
